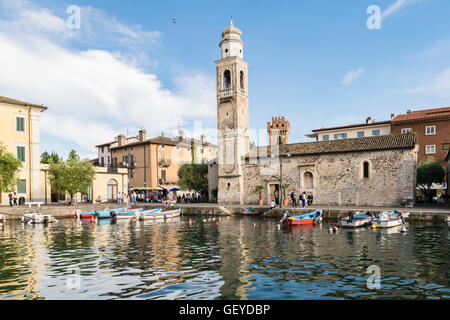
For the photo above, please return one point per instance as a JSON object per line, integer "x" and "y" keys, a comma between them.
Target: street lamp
{"x": 288, "y": 154}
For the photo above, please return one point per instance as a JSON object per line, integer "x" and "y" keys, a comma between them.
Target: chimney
{"x": 142, "y": 135}
{"x": 392, "y": 116}
{"x": 162, "y": 133}
{"x": 368, "y": 120}
{"x": 121, "y": 140}
{"x": 203, "y": 138}
{"x": 181, "y": 133}
{"x": 408, "y": 111}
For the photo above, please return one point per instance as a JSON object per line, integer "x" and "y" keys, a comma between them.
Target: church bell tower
{"x": 232, "y": 116}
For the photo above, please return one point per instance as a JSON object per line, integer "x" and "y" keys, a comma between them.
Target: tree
{"x": 429, "y": 171}
{"x": 193, "y": 177}
{"x": 259, "y": 189}
{"x": 48, "y": 158}
{"x": 9, "y": 170}
{"x": 71, "y": 176}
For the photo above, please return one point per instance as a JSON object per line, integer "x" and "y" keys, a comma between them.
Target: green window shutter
{"x": 20, "y": 124}
{"x": 22, "y": 187}
{"x": 21, "y": 153}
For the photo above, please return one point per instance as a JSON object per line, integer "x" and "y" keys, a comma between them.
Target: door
{"x": 112, "y": 190}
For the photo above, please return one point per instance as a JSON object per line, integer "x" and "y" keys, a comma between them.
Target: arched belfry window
{"x": 242, "y": 80}
{"x": 227, "y": 80}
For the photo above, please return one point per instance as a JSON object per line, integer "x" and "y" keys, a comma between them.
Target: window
{"x": 430, "y": 149}
{"x": 325, "y": 137}
{"x": 376, "y": 132}
{"x": 242, "y": 80}
{"x": 430, "y": 130}
{"x": 21, "y": 153}
{"x": 20, "y": 124}
{"x": 227, "y": 80}
{"x": 163, "y": 175}
{"x": 406, "y": 130}
{"x": 366, "y": 169}
{"x": 338, "y": 136}
{"x": 446, "y": 146}
{"x": 360, "y": 134}
{"x": 22, "y": 186}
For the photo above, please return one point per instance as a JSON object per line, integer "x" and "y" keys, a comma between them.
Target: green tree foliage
{"x": 429, "y": 171}
{"x": 71, "y": 176}
{"x": 193, "y": 177}
{"x": 9, "y": 170}
{"x": 48, "y": 158}
{"x": 259, "y": 189}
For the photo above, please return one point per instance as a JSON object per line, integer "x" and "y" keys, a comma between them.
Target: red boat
{"x": 304, "y": 219}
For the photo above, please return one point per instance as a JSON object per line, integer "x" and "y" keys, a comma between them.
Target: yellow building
{"x": 19, "y": 134}
{"x": 154, "y": 162}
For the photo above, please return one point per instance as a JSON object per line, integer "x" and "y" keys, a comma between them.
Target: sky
{"x": 128, "y": 66}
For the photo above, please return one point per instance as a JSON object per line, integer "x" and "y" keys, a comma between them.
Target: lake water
{"x": 238, "y": 258}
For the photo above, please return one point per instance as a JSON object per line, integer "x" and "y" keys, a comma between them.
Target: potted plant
{"x": 259, "y": 189}
{"x": 285, "y": 200}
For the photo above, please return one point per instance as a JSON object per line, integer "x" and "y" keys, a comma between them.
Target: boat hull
{"x": 304, "y": 219}
{"x": 38, "y": 218}
{"x": 355, "y": 223}
{"x": 161, "y": 215}
{"x": 388, "y": 219}
{"x": 388, "y": 224}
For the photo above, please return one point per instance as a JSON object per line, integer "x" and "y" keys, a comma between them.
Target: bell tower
{"x": 232, "y": 116}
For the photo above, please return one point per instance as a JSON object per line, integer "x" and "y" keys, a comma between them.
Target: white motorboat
{"x": 38, "y": 217}
{"x": 160, "y": 215}
{"x": 389, "y": 219}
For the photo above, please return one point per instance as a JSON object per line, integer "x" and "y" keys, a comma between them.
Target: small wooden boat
{"x": 37, "y": 217}
{"x": 356, "y": 219}
{"x": 106, "y": 213}
{"x": 158, "y": 215}
{"x": 389, "y": 219}
{"x": 307, "y": 218}
{"x": 84, "y": 215}
{"x": 126, "y": 214}
{"x": 140, "y": 215}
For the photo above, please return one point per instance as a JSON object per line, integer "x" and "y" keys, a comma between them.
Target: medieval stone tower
{"x": 232, "y": 116}
{"x": 278, "y": 131}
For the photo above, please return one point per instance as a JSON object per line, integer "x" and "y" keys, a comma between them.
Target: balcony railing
{"x": 168, "y": 181}
{"x": 226, "y": 93}
{"x": 165, "y": 162}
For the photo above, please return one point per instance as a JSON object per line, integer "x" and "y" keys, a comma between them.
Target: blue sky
{"x": 129, "y": 66}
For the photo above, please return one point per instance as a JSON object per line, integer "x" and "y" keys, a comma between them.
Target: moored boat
{"x": 307, "y": 218}
{"x": 356, "y": 219}
{"x": 126, "y": 214}
{"x": 107, "y": 213}
{"x": 38, "y": 217}
{"x": 389, "y": 219}
{"x": 157, "y": 215}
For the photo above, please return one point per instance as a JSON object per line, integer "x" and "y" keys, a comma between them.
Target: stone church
{"x": 371, "y": 171}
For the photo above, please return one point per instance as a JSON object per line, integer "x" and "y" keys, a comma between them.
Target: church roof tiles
{"x": 377, "y": 143}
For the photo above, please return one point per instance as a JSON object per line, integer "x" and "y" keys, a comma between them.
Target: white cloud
{"x": 438, "y": 86}
{"x": 93, "y": 95}
{"x": 397, "y": 6}
{"x": 351, "y": 76}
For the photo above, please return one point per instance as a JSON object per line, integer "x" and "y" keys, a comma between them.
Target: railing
{"x": 226, "y": 93}
{"x": 168, "y": 181}
{"x": 165, "y": 162}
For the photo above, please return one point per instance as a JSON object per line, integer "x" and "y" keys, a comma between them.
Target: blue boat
{"x": 307, "y": 218}
{"x": 356, "y": 219}
{"x": 106, "y": 213}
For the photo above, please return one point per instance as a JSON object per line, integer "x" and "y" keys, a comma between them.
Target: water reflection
{"x": 227, "y": 258}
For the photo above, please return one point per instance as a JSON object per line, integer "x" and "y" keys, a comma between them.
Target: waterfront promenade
{"x": 420, "y": 212}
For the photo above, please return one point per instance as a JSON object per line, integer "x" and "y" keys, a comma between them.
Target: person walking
{"x": 15, "y": 199}
{"x": 10, "y": 195}
{"x": 303, "y": 199}
{"x": 293, "y": 198}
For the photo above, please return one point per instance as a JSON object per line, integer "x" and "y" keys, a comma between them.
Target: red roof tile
{"x": 423, "y": 115}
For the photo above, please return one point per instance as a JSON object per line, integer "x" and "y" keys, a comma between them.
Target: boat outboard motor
{"x": 350, "y": 216}
{"x": 285, "y": 215}
{"x": 113, "y": 214}
{"x": 403, "y": 224}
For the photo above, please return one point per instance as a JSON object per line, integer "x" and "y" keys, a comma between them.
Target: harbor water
{"x": 221, "y": 258}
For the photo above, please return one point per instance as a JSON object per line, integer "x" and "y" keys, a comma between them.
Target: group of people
{"x": 304, "y": 199}
{"x": 13, "y": 199}
{"x": 194, "y": 197}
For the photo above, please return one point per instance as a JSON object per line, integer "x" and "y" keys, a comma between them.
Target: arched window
{"x": 112, "y": 190}
{"x": 242, "y": 80}
{"x": 308, "y": 180}
{"x": 366, "y": 169}
{"x": 227, "y": 80}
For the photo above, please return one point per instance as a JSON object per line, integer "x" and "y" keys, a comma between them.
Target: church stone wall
{"x": 338, "y": 178}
